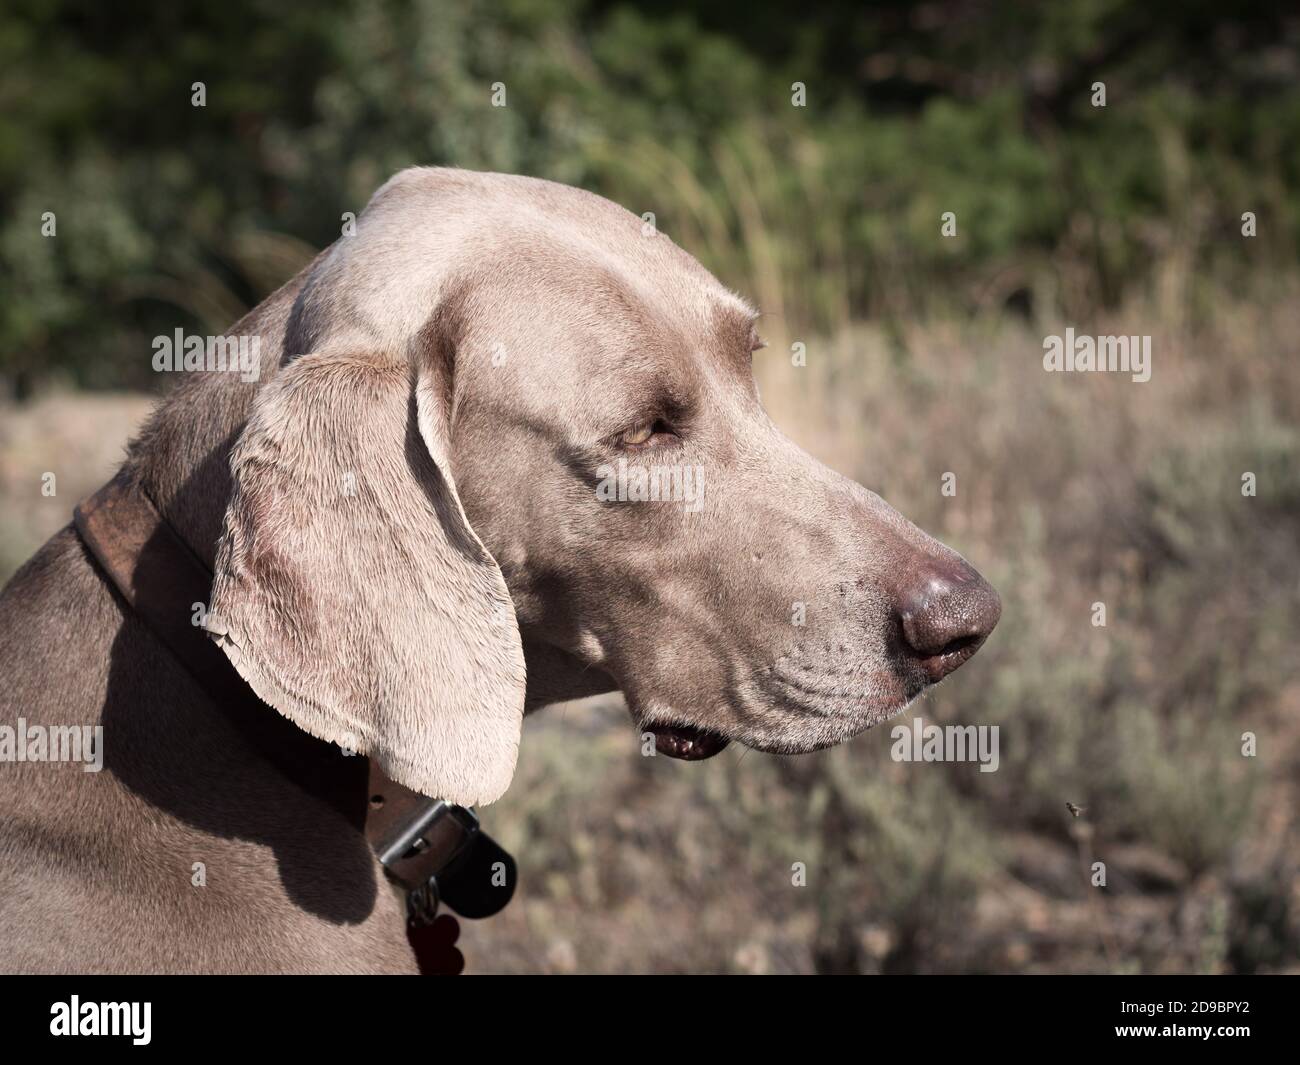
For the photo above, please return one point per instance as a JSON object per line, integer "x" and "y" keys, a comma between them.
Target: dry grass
{"x": 79, "y": 438}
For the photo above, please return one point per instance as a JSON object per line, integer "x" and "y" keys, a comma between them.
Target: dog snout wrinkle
{"x": 946, "y": 616}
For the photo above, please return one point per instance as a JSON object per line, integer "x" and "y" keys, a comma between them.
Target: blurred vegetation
{"x": 169, "y": 214}
{"x": 923, "y": 357}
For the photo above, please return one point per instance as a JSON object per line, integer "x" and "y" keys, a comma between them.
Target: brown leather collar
{"x": 417, "y": 838}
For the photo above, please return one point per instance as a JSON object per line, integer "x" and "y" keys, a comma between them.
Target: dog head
{"x": 514, "y": 422}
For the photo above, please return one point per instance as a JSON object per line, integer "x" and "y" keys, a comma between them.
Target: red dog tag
{"x": 435, "y": 946}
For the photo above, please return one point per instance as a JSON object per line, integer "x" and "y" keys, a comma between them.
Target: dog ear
{"x": 351, "y": 592}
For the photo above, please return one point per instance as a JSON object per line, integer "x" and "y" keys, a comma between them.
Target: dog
{"x": 504, "y": 448}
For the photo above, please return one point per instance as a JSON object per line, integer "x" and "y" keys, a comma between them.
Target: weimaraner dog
{"x": 426, "y": 517}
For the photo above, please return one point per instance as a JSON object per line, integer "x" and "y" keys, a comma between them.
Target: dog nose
{"x": 947, "y": 614}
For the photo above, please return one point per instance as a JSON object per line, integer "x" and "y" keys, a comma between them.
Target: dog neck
{"x": 182, "y": 456}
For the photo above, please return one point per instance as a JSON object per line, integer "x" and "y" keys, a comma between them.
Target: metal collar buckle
{"x": 421, "y": 847}
{"x": 429, "y": 828}
{"x": 438, "y": 851}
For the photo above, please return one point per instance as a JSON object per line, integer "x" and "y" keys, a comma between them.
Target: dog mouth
{"x": 686, "y": 742}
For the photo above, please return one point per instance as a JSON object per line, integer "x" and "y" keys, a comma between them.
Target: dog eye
{"x": 640, "y": 435}
{"x": 647, "y": 434}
